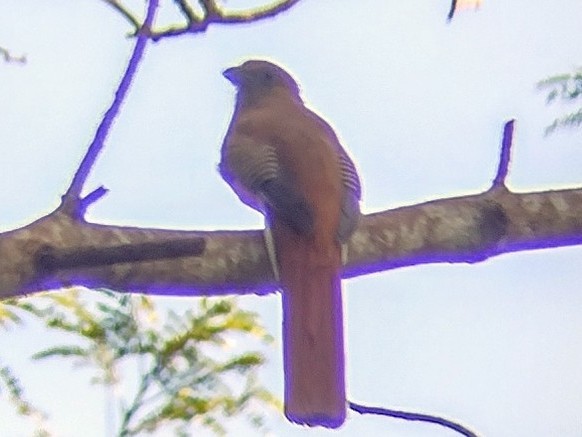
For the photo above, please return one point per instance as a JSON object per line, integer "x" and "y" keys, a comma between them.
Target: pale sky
{"x": 419, "y": 103}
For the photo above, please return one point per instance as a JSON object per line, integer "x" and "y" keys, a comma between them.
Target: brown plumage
{"x": 285, "y": 161}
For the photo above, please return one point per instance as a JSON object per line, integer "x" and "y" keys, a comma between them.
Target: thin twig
{"x": 505, "y": 155}
{"x": 71, "y": 197}
{"x": 125, "y": 12}
{"x": 94, "y": 196}
{"x": 124, "y": 429}
{"x": 191, "y": 16}
{"x": 413, "y": 417}
{"x": 452, "y": 10}
{"x": 90, "y": 199}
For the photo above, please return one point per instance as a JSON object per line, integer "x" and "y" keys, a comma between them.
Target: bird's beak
{"x": 232, "y": 74}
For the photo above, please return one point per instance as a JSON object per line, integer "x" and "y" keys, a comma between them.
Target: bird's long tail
{"x": 312, "y": 329}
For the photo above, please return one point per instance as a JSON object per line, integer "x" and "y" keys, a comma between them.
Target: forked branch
{"x": 71, "y": 202}
{"x": 211, "y": 13}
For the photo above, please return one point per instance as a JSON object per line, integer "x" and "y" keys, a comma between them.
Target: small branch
{"x": 8, "y": 57}
{"x": 71, "y": 197}
{"x": 124, "y": 427}
{"x": 259, "y": 13}
{"x": 188, "y": 12}
{"x": 452, "y": 10}
{"x": 91, "y": 198}
{"x": 211, "y": 9}
{"x": 214, "y": 14}
{"x": 413, "y": 417}
{"x": 505, "y": 156}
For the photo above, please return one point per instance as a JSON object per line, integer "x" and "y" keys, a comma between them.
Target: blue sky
{"x": 420, "y": 105}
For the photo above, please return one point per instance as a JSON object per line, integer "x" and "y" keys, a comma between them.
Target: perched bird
{"x": 285, "y": 161}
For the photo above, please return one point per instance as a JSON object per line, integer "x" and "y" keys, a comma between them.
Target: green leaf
{"x": 567, "y": 88}
{"x": 244, "y": 362}
{"x": 61, "y": 351}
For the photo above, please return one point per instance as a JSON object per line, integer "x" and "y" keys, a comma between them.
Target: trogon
{"x": 286, "y": 161}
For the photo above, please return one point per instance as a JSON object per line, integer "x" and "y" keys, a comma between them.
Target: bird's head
{"x": 255, "y": 78}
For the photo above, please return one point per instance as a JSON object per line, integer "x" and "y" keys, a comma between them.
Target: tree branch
{"x": 211, "y": 9}
{"x": 71, "y": 200}
{"x": 214, "y": 14}
{"x": 465, "y": 229}
{"x": 452, "y": 10}
{"x": 505, "y": 155}
{"x": 188, "y": 12}
{"x": 429, "y": 418}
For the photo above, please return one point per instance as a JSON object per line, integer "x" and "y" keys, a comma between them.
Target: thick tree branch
{"x": 463, "y": 229}
{"x": 466, "y": 229}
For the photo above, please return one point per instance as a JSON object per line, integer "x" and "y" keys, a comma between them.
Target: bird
{"x": 285, "y": 161}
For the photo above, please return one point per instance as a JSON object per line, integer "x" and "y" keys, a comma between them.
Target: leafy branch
{"x": 10, "y": 384}
{"x": 187, "y": 367}
{"x": 567, "y": 88}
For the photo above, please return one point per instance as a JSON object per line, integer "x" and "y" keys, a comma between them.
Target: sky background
{"x": 419, "y": 103}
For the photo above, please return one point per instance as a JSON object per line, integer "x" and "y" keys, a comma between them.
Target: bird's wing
{"x": 253, "y": 171}
{"x": 350, "y": 212}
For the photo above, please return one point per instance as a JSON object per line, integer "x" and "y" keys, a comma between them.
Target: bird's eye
{"x": 268, "y": 77}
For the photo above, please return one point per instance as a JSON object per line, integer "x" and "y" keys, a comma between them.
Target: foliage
{"x": 186, "y": 374}
{"x": 10, "y": 385}
{"x": 568, "y": 88}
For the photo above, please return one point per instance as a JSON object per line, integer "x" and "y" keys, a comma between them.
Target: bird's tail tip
{"x": 324, "y": 420}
